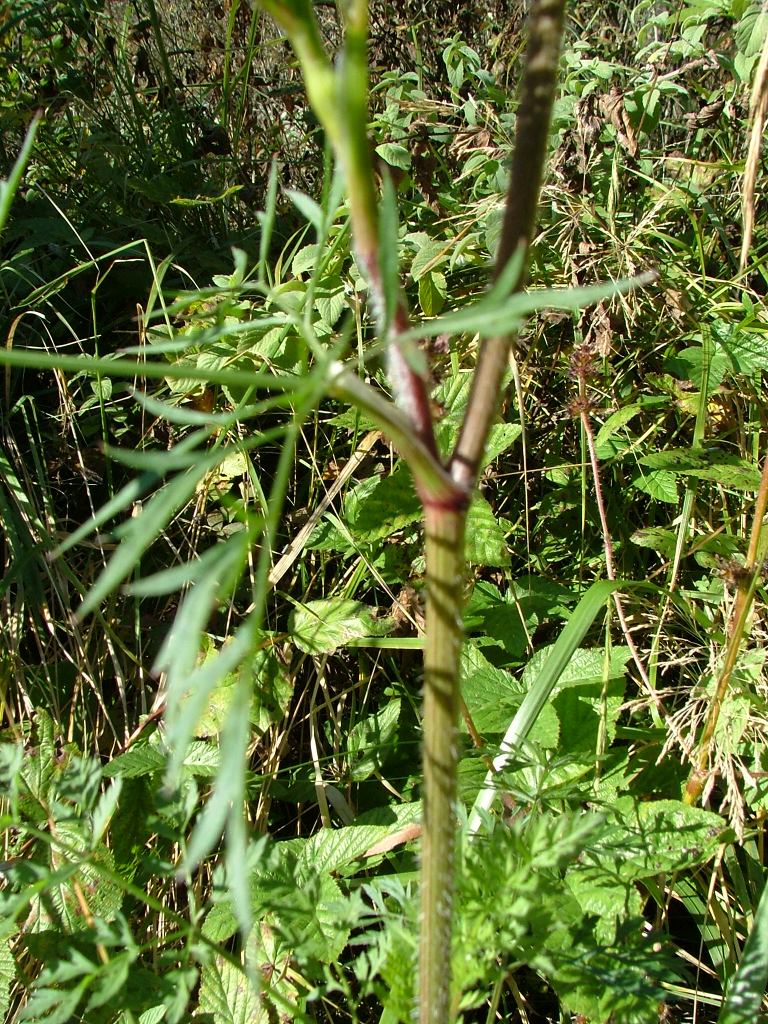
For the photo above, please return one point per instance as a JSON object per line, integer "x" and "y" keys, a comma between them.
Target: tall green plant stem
{"x": 736, "y": 632}
{"x": 444, "y": 527}
{"x": 339, "y": 99}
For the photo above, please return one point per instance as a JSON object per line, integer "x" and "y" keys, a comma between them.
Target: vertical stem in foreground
{"x": 444, "y": 526}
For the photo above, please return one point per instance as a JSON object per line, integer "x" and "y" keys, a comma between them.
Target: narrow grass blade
{"x": 746, "y": 993}
{"x": 39, "y": 360}
{"x": 494, "y": 315}
{"x": 9, "y": 185}
{"x": 574, "y": 632}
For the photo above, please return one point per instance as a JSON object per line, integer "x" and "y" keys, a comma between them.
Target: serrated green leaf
{"x": 7, "y": 974}
{"x": 39, "y": 773}
{"x": 331, "y": 849}
{"x": 485, "y": 540}
{"x": 690, "y": 364}
{"x": 321, "y": 627}
{"x": 615, "y": 422}
{"x": 61, "y": 904}
{"x": 501, "y": 438}
{"x": 227, "y": 994}
{"x": 330, "y": 299}
{"x": 589, "y": 699}
{"x": 141, "y": 759}
{"x": 380, "y": 506}
{"x": 511, "y": 624}
{"x": 370, "y": 741}
{"x": 659, "y": 484}
{"x": 746, "y": 350}
{"x": 605, "y": 897}
{"x": 330, "y": 535}
{"x": 54, "y": 1005}
{"x": 662, "y": 836}
{"x": 585, "y": 668}
{"x": 323, "y": 933}
{"x": 657, "y": 538}
{"x": 202, "y": 758}
{"x": 153, "y": 1016}
{"x": 706, "y": 464}
{"x": 487, "y": 691}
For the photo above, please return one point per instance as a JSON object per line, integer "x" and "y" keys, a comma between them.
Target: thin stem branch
{"x": 533, "y": 120}
{"x": 583, "y": 406}
{"x": 736, "y": 632}
{"x": 339, "y": 98}
{"x": 610, "y": 571}
{"x": 432, "y": 481}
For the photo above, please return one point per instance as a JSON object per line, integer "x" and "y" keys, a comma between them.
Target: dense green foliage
{"x": 210, "y": 564}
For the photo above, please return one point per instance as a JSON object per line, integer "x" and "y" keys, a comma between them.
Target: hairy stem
{"x": 444, "y": 551}
{"x": 445, "y": 527}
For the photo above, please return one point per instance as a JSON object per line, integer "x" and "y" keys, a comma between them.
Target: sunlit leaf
{"x": 485, "y": 540}
{"x": 322, "y": 626}
{"x": 370, "y": 741}
{"x": 227, "y": 993}
{"x": 706, "y": 464}
{"x": 432, "y": 292}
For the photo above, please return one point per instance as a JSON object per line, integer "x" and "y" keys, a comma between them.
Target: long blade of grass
{"x": 495, "y": 314}
{"x": 747, "y": 991}
{"x": 38, "y": 360}
{"x": 9, "y": 185}
{"x": 566, "y": 644}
